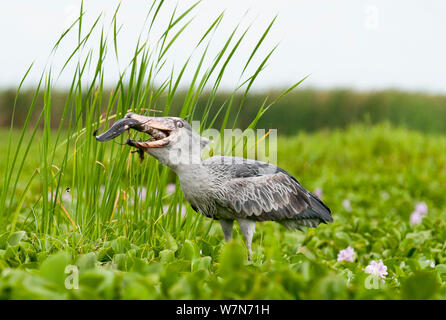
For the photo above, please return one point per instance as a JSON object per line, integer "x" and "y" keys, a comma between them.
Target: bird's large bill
{"x": 117, "y": 129}
{"x": 149, "y": 125}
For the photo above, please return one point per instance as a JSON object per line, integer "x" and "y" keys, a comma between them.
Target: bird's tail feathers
{"x": 320, "y": 209}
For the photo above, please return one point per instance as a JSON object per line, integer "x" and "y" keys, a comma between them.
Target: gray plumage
{"x": 240, "y": 188}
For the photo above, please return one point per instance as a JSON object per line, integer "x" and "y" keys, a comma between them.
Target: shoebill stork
{"x": 224, "y": 188}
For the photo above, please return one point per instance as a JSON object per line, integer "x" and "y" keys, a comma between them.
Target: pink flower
{"x": 415, "y": 218}
{"x": 170, "y": 188}
{"x": 318, "y": 192}
{"x": 421, "y": 208}
{"x": 182, "y": 210}
{"x": 431, "y": 263}
{"x": 377, "y": 269}
{"x": 347, "y": 205}
{"x": 142, "y": 193}
{"x": 347, "y": 254}
{"x": 417, "y": 215}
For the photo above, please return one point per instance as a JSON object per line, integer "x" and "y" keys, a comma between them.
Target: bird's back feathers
{"x": 260, "y": 191}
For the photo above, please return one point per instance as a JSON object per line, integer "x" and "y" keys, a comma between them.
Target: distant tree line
{"x": 301, "y": 110}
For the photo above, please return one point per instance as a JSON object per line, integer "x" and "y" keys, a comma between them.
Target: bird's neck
{"x": 182, "y": 154}
{"x": 178, "y": 159}
{"x": 194, "y": 180}
{"x": 188, "y": 168}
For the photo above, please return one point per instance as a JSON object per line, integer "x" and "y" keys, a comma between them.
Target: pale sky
{"x": 364, "y": 45}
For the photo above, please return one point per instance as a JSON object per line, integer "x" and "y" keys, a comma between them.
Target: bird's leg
{"x": 226, "y": 226}
{"x": 248, "y": 228}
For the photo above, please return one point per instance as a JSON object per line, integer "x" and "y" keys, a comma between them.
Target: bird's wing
{"x": 260, "y": 191}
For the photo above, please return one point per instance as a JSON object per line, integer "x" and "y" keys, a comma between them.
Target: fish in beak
{"x": 172, "y": 140}
{"x": 161, "y": 130}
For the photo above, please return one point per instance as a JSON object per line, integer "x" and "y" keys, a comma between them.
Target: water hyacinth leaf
{"x": 294, "y": 239}
{"x": 441, "y": 271}
{"x": 136, "y": 289}
{"x": 91, "y": 279}
{"x": 4, "y": 240}
{"x": 105, "y": 254}
{"x": 86, "y": 261}
{"x": 168, "y": 278}
{"x": 331, "y": 287}
{"x": 122, "y": 261}
{"x": 155, "y": 269}
{"x": 34, "y": 288}
{"x": 103, "y": 283}
{"x": 167, "y": 256}
{"x": 170, "y": 243}
{"x": 232, "y": 258}
{"x": 12, "y": 257}
{"x": 342, "y": 239}
{"x": 120, "y": 245}
{"x": 189, "y": 251}
{"x": 307, "y": 253}
{"x": 16, "y": 237}
{"x": 422, "y": 285}
{"x": 3, "y": 263}
{"x": 53, "y": 268}
{"x": 417, "y": 238}
{"x": 202, "y": 263}
{"x": 139, "y": 265}
{"x": 205, "y": 247}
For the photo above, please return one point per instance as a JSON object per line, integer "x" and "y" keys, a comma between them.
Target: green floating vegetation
{"x": 383, "y": 172}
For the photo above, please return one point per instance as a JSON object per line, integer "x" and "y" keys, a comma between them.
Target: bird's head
{"x": 172, "y": 140}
